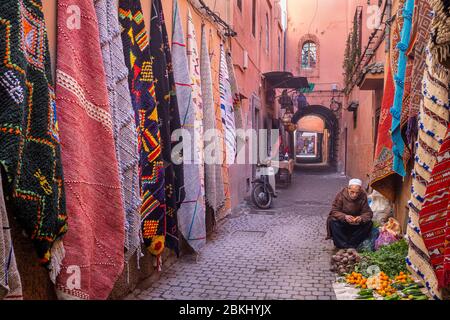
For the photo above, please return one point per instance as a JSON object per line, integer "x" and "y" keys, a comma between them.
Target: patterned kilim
{"x": 237, "y": 106}
{"x": 398, "y": 146}
{"x": 435, "y": 216}
{"x": 420, "y": 38}
{"x": 169, "y": 118}
{"x": 10, "y": 283}
{"x": 433, "y": 123}
{"x": 383, "y": 178}
{"x": 191, "y": 216}
{"x": 226, "y": 105}
{"x": 423, "y": 16}
{"x": 237, "y": 102}
{"x": 151, "y": 167}
{"x": 214, "y": 185}
{"x": 29, "y": 136}
{"x": 125, "y": 134}
{"x": 95, "y": 241}
{"x": 440, "y": 38}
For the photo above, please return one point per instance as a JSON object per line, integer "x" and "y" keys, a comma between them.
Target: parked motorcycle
{"x": 264, "y": 186}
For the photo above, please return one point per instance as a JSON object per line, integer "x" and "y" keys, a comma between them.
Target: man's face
{"x": 354, "y": 192}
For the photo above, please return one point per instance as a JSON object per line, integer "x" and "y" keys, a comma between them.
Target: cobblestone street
{"x": 276, "y": 254}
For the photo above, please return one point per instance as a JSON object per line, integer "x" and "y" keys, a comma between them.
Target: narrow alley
{"x": 263, "y": 255}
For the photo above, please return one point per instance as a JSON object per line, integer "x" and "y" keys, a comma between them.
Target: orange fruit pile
{"x": 384, "y": 287}
{"x": 357, "y": 279}
{"x": 403, "y": 278}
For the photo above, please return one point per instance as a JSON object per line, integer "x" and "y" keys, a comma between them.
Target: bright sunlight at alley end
{"x": 237, "y": 153}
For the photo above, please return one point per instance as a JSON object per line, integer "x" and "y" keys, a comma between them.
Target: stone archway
{"x": 331, "y": 124}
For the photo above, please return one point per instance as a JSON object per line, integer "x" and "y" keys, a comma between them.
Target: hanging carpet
{"x": 124, "y": 124}
{"x": 433, "y": 123}
{"x": 142, "y": 88}
{"x": 214, "y": 181}
{"x": 95, "y": 241}
{"x": 29, "y": 136}
{"x": 169, "y": 116}
{"x": 191, "y": 215}
{"x": 10, "y": 283}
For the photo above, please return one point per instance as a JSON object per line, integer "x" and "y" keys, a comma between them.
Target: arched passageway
{"x": 317, "y": 135}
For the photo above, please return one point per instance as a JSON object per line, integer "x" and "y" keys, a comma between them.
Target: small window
{"x": 309, "y": 55}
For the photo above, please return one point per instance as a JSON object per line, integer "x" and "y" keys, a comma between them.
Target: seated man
{"x": 350, "y": 220}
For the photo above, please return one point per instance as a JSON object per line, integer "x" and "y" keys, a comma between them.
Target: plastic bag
{"x": 381, "y": 207}
{"x": 369, "y": 244}
{"x": 385, "y": 238}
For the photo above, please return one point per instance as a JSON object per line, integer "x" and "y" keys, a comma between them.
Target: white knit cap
{"x": 355, "y": 182}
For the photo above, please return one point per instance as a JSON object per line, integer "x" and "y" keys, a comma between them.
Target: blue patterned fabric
{"x": 398, "y": 144}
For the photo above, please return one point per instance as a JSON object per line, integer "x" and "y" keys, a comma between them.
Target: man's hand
{"x": 350, "y": 219}
{"x": 358, "y": 220}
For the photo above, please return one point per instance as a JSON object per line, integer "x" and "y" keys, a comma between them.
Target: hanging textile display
{"x": 420, "y": 38}
{"x": 433, "y": 123}
{"x": 214, "y": 185}
{"x": 435, "y": 216}
{"x": 169, "y": 118}
{"x": 10, "y": 283}
{"x": 142, "y": 88}
{"x": 237, "y": 102}
{"x": 383, "y": 178}
{"x": 191, "y": 215}
{"x": 440, "y": 29}
{"x": 226, "y": 105}
{"x": 398, "y": 148}
{"x": 93, "y": 262}
{"x": 29, "y": 136}
{"x": 124, "y": 124}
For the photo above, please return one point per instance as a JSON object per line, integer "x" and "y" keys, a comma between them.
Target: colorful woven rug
{"x": 151, "y": 166}
{"x": 226, "y": 105}
{"x": 440, "y": 29}
{"x": 435, "y": 216}
{"x": 191, "y": 216}
{"x": 420, "y": 38}
{"x": 122, "y": 113}
{"x": 10, "y": 283}
{"x": 237, "y": 107}
{"x": 237, "y": 102}
{"x": 433, "y": 123}
{"x": 29, "y": 137}
{"x": 214, "y": 185}
{"x": 93, "y": 261}
{"x": 383, "y": 177}
{"x": 169, "y": 120}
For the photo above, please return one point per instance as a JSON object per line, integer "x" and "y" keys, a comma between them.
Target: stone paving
{"x": 280, "y": 254}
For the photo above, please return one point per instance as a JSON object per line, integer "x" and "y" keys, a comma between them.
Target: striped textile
{"x": 226, "y": 106}
{"x": 435, "y": 215}
{"x": 10, "y": 283}
{"x": 433, "y": 123}
{"x": 191, "y": 215}
{"x": 214, "y": 181}
{"x": 124, "y": 124}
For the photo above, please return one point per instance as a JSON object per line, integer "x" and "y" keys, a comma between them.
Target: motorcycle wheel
{"x": 261, "y": 197}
